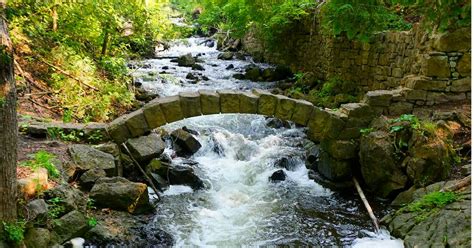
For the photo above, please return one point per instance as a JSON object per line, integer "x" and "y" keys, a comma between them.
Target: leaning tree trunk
{"x": 8, "y": 124}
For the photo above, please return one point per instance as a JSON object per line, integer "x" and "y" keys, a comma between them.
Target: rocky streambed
{"x": 232, "y": 180}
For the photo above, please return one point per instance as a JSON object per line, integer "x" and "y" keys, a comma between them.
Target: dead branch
{"x": 366, "y": 204}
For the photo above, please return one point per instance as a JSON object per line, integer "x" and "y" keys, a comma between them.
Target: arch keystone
{"x": 229, "y": 101}
{"x": 210, "y": 102}
{"x": 248, "y": 103}
{"x": 190, "y": 104}
{"x": 267, "y": 102}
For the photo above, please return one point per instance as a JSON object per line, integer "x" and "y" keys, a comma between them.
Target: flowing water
{"x": 240, "y": 206}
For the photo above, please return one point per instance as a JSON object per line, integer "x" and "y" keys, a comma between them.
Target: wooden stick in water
{"x": 366, "y": 203}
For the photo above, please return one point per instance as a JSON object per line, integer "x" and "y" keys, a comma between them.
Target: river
{"x": 240, "y": 206}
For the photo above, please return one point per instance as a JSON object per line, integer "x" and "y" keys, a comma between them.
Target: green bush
{"x": 14, "y": 232}
{"x": 43, "y": 159}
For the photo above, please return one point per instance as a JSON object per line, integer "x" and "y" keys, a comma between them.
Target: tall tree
{"x": 8, "y": 124}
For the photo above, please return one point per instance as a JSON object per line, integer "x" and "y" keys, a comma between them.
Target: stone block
{"x": 248, "y": 103}
{"x": 285, "y": 108}
{"x": 325, "y": 124}
{"x": 397, "y": 72}
{"x": 415, "y": 95}
{"x": 137, "y": 124}
{"x": 210, "y": 102}
{"x": 302, "y": 112}
{"x": 436, "y": 66}
{"x": 340, "y": 149}
{"x": 400, "y": 108}
{"x": 425, "y": 83}
{"x": 267, "y": 102}
{"x": 229, "y": 101}
{"x": 459, "y": 40}
{"x": 190, "y": 104}
{"x": 453, "y": 97}
{"x": 464, "y": 65}
{"x": 334, "y": 169}
{"x": 378, "y": 98}
{"x": 461, "y": 85}
{"x": 171, "y": 107}
{"x": 118, "y": 130}
{"x": 357, "y": 110}
{"x": 153, "y": 114}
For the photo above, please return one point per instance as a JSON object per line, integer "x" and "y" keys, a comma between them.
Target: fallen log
{"x": 366, "y": 204}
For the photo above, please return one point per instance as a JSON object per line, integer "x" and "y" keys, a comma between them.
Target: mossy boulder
{"x": 72, "y": 225}
{"x": 186, "y": 60}
{"x": 121, "y": 194}
{"x": 145, "y": 148}
{"x": 380, "y": 167}
{"x": 86, "y": 157}
{"x": 429, "y": 160}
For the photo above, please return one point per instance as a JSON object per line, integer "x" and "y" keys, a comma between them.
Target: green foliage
{"x": 359, "y": 19}
{"x": 92, "y": 222}
{"x": 14, "y": 232}
{"x": 90, "y": 204}
{"x": 95, "y": 137}
{"x": 366, "y": 131}
{"x": 430, "y": 203}
{"x": 59, "y": 133}
{"x": 55, "y": 208}
{"x": 2, "y": 101}
{"x": 237, "y": 16}
{"x": 90, "y": 46}
{"x": 440, "y": 15}
{"x": 412, "y": 120}
{"x": 42, "y": 159}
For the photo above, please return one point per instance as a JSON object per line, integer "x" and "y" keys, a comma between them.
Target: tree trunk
{"x": 105, "y": 43}
{"x": 54, "y": 15}
{"x": 8, "y": 122}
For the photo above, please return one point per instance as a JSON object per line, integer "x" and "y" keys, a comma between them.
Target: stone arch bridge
{"x": 337, "y": 130}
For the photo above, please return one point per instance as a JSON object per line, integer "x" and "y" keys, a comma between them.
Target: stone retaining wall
{"x": 380, "y": 64}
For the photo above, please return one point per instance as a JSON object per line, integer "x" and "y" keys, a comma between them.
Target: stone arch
{"x": 169, "y": 109}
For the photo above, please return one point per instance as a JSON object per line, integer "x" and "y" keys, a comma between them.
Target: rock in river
{"x": 121, "y": 194}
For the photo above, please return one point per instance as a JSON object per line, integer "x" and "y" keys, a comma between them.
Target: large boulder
{"x": 176, "y": 174}
{"x": 186, "y": 60}
{"x": 429, "y": 160}
{"x": 145, "y": 148}
{"x": 70, "y": 197}
{"x": 381, "y": 170}
{"x": 37, "y": 238}
{"x": 226, "y": 56}
{"x": 334, "y": 169}
{"x": 121, "y": 194}
{"x": 86, "y": 157}
{"x": 88, "y": 179}
{"x": 184, "y": 143}
{"x": 37, "y": 209}
{"x": 253, "y": 73}
{"x": 445, "y": 226}
{"x": 278, "y": 176}
{"x": 74, "y": 224}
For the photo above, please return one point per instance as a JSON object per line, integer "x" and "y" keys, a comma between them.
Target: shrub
{"x": 42, "y": 159}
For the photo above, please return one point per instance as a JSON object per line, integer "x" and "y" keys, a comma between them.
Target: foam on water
{"x": 241, "y": 206}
